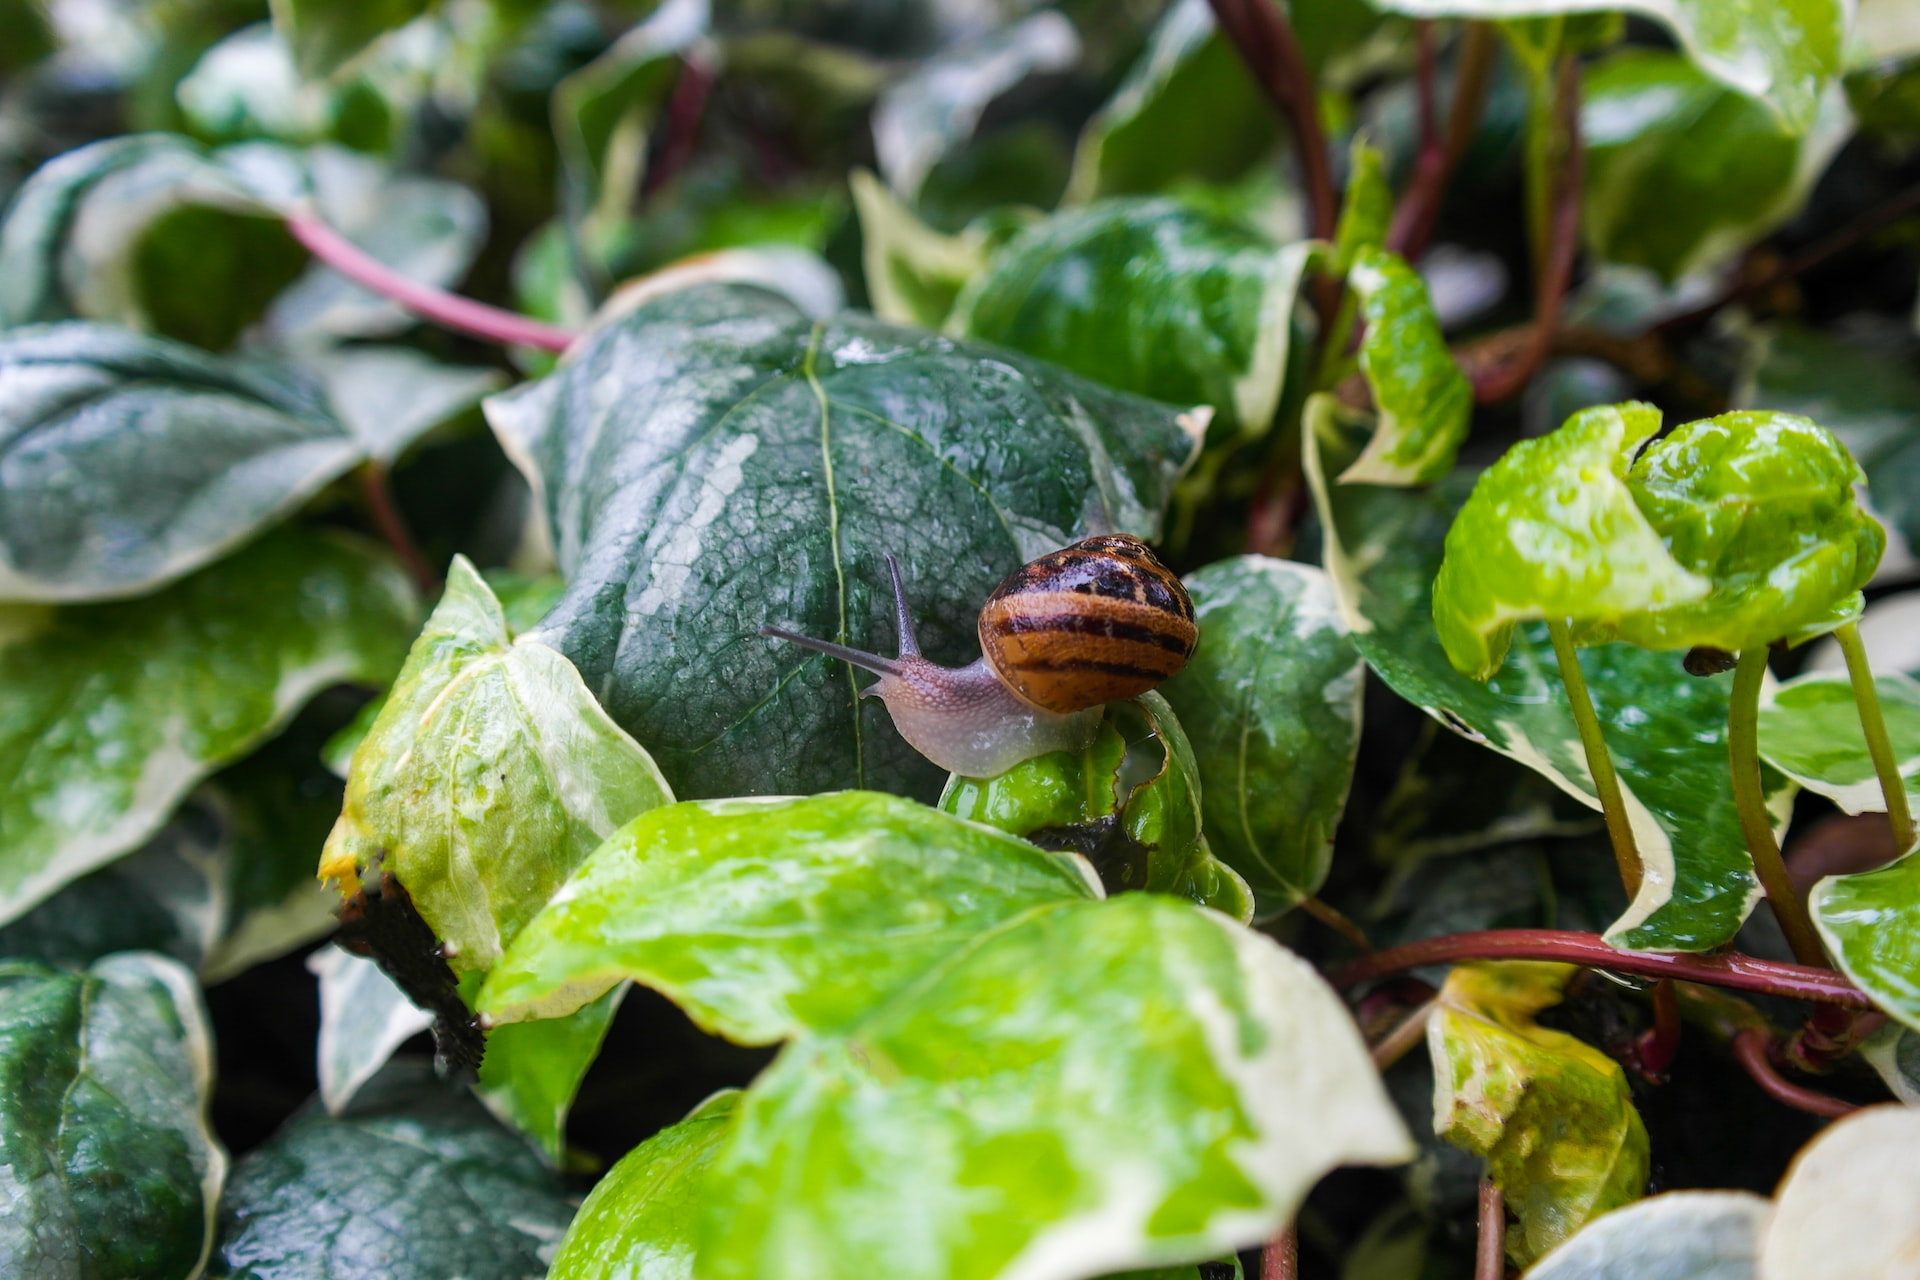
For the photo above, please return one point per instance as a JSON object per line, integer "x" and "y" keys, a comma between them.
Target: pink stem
{"x": 451, "y": 311}
{"x": 1750, "y": 1049}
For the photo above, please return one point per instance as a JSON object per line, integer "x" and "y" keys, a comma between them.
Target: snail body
{"x": 1092, "y": 623}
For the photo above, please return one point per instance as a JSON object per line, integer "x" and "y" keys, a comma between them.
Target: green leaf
{"x": 391, "y": 397}
{"x": 1841, "y": 1210}
{"x": 112, "y": 1169}
{"x": 1552, "y": 531}
{"x": 1871, "y": 925}
{"x": 1894, "y": 1052}
{"x": 1367, "y": 209}
{"x": 1683, "y": 172}
{"x": 785, "y": 458}
{"x": 1553, "y": 1117}
{"x": 1683, "y": 1235}
{"x": 1151, "y": 296}
{"x": 927, "y": 113}
{"x": 1666, "y": 730}
{"x": 490, "y": 774}
{"x": 364, "y": 1019}
{"x": 1036, "y": 1117}
{"x": 1778, "y": 52}
{"x": 1271, "y": 704}
{"x": 1810, "y": 731}
{"x": 1425, "y": 402}
{"x": 1162, "y": 815}
{"x": 532, "y": 1070}
{"x": 113, "y": 712}
{"x": 1187, "y": 109}
{"x": 913, "y": 272}
{"x": 146, "y": 231}
{"x": 764, "y": 919}
{"x": 325, "y": 34}
{"x": 202, "y": 454}
{"x": 641, "y": 1220}
{"x": 1761, "y": 505}
{"x": 415, "y": 1182}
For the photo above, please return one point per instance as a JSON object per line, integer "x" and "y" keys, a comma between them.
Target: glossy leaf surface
{"x": 1810, "y": 731}
{"x": 1038, "y": 1119}
{"x": 532, "y": 1070}
{"x": 1271, "y": 704}
{"x": 1424, "y": 400}
{"x": 115, "y": 711}
{"x": 490, "y": 774}
{"x": 1551, "y": 1115}
{"x": 767, "y": 918}
{"x": 415, "y": 1181}
{"x": 1682, "y": 1235}
{"x": 112, "y": 1171}
{"x": 716, "y": 460}
{"x": 1665, "y": 729}
{"x": 1870, "y": 922}
{"x": 1151, "y": 296}
{"x": 1845, "y": 1206}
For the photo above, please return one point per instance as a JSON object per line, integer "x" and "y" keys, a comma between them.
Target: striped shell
{"x": 1099, "y": 621}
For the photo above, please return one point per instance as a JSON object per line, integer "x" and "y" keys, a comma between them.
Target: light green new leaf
{"x": 490, "y": 774}
{"x": 532, "y": 1070}
{"x": 1810, "y": 731}
{"x": 1425, "y": 402}
{"x": 1367, "y": 209}
{"x": 1666, "y": 730}
{"x": 1271, "y": 704}
{"x": 414, "y": 1182}
{"x": 717, "y": 459}
{"x": 1760, "y": 505}
{"x": 1552, "y": 531}
{"x": 1553, "y": 1117}
{"x": 1162, "y": 815}
{"x": 913, "y": 272}
{"x": 1682, "y": 172}
{"x": 764, "y": 919}
{"x": 641, "y": 1221}
{"x": 113, "y": 712}
{"x": 1148, "y": 295}
{"x": 1845, "y": 1207}
{"x": 111, "y": 1171}
{"x": 1682, "y": 1235}
{"x": 1779, "y": 52}
{"x": 324, "y": 34}
{"x": 1870, "y": 922}
{"x": 1041, "y": 1119}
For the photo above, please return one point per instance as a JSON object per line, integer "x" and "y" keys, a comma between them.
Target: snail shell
{"x": 1099, "y": 621}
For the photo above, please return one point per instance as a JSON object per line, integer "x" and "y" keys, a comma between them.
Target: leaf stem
{"x": 1406, "y": 1033}
{"x": 1756, "y": 824}
{"x": 1874, "y": 725}
{"x": 462, "y": 315}
{"x": 1655, "y": 1049}
{"x": 1606, "y": 783}
{"x": 1419, "y": 207}
{"x": 1337, "y": 920}
{"x": 1490, "y": 1257}
{"x": 1750, "y": 1050}
{"x": 1265, "y": 42}
{"x": 394, "y": 530}
{"x": 1721, "y": 969}
{"x": 1280, "y": 1258}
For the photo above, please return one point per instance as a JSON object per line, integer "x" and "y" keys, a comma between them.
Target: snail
{"x": 1092, "y": 623}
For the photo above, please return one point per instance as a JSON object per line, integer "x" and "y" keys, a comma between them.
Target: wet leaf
{"x": 1425, "y": 402}
{"x": 112, "y": 1171}
{"x": 1683, "y": 1235}
{"x": 1553, "y": 1117}
{"x": 716, "y": 460}
{"x": 1036, "y": 1117}
{"x": 490, "y": 774}
{"x": 1870, "y": 922}
{"x": 1271, "y": 704}
{"x": 1810, "y": 731}
{"x": 115, "y": 711}
{"x": 1846, "y": 1205}
{"x": 764, "y": 919}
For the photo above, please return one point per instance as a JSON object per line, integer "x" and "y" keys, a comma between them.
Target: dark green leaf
{"x": 716, "y": 460}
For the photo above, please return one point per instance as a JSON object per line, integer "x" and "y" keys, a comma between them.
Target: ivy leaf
{"x": 1271, "y": 704}
{"x": 532, "y": 1070}
{"x": 764, "y": 919}
{"x": 1810, "y": 731}
{"x": 490, "y": 774}
{"x": 1553, "y": 1117}
{"x": 1761, "y": 505}
{"x": 642, "y": 1218}
{"x": 146, "y": 231}
{"x": 1552, "y": 531}
{"x": 414, "y": 1182}
{"x": 716, "y": 460}
{"x": 1425, "y": 402}
{"x": 914, "y": 273}
{"x": 364, "y": 1019}
{"x": 115, "y": 711}
{"x": 1682, "y": 1235}
{"x": 1162, "y": 814}
{"x": 1151, "y": 296}
{"x": 1894, "y": 1052}
{"x": 1381, "y": 556}
{"x": 323, "y": 35}
{"x": 1683, "y": 172}
{"x": 1778, "y": 52}
{"x": 1367, "y": 210}
{"x": 1842, "y": 1208}
{"x": 1870, "y": 923}
{"x": 1039, "y": 1118}
{"x": 112, "y": 1169}
{"x": 391, "y": 397}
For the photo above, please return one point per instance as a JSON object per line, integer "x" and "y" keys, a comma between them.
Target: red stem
{"x": 1741, "y": 972}
{"x": 684, "y": 111}
{"x": 1657, "y": 1046}
{"x": 1750, "y": 1050}
{"x": 1280, "y": 1259}
{"x": 451, "y": 311}
{"x": 1265, "y": 42}
{"x": 1419, "y": 207}
{"x": 394, "y": 529}
{"x": 1490, "y": 1258}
